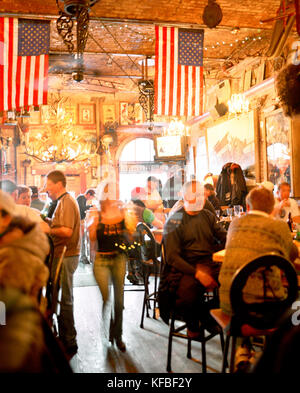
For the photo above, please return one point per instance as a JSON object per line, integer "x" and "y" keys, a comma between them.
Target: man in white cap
{"x": 191, "y": 235}
{"x": 23, "y": 250}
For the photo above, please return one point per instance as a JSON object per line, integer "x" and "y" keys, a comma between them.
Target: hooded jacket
{"x": 23, "y": 251}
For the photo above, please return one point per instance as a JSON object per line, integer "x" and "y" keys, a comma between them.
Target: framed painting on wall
{"x": 35, "y": 117}
{"x": 278, "y": 147}
{"x": 138, "y": 114}
{"x": 86, "y": 114}
{"x": 47, "y": 115}
{"x": 124, "y": 121}
{"x": 71, "y": 113}
{"x": 226, "y": 143}
{"x": 109, "y": 114}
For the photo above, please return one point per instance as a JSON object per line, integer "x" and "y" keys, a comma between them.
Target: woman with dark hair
{"x": 24, "y": 196}
{"x": 108, "y": 228}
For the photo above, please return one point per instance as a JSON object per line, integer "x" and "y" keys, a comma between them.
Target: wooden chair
{"x": 259, "y": 318}
{"x": 148, "y": 255}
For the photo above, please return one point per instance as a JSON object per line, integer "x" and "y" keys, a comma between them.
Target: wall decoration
{"x": 259, "y": 73}
{"x": 109, "y": 118}
{"x": 226, "y": 143}
{"x": 138, "y": 114}
{"x": 131, "y": 113}
{"x": 35, "y": 117}
{"x": 72, "y": 113}
{"x": 278, "y": 147}
{"x": 86, "y": 114}
{"x": 247, "y": 80}
{"x": 47, "y": 116}
{"x": 94, "y": 172}
{"x": 124, "y": 113}
{"x": 109, "y": 114}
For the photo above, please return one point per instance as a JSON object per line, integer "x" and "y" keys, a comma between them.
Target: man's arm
{"x": 63, "y": 232}
{"x": 173, "y": 246}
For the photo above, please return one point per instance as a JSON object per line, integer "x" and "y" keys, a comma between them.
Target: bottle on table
{"x": 290, "y": 222}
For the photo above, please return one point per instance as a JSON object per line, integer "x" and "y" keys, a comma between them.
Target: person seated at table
{"x": 250, "y": 236}
{"x": 179, "y": 204}
{"x": 191, "y": 235}
{"x": 23, "y": 210}
{"x": 285, "y": 205}
{"x": 153, "y": 199}
{"x": 136, "y": 212}
{"x": 23, "y": 250}
{"x": 210, "y": 195}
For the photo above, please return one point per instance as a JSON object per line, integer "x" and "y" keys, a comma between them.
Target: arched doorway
{"x": 136, "y": 163}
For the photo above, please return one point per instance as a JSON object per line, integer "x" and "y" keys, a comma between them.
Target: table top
{"x": 219, "y": 256}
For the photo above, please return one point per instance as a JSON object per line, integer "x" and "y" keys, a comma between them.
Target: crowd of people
{"x": 189, "y": 214}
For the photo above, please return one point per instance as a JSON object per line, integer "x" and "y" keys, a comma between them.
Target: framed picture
{"x": 47, "y": 115}
{"x": 109, "y": 114}
{"x": 71, "y": 113}
{"x": 124, "y": 120}
{"x": 259, "y": 73}
{"x": 35, "y": 117}
{"x": 86, "y": 114}
{"x": 278, "y": 147}
{"x": 226, "y": 143}
{"x": 247, "y": 80}
{"x": 94, "y": 172}
{"x": 138, "y": 114}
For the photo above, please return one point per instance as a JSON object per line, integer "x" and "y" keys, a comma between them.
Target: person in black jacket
{"x": 191, "y": 235}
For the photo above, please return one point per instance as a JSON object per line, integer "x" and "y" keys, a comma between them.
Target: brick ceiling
{"x": 121, "y": 33}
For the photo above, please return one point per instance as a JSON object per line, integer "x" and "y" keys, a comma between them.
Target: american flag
{"x": 24, "y": 48}
{"x": 178, "y": 71}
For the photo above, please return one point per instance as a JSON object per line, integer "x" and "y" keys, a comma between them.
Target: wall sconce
{"x": 238, "y": 104}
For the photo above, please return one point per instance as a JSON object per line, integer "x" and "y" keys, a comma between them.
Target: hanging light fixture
{"x": 238, "y": 104}
{"x": 78, "y": 11}
{"x": 176, "y": 128}
{"x": 146, "y": 96}
{"x": 58, "y": 141}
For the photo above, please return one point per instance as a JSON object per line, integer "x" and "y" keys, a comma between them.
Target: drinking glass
{"x": 230, "y": 212}
{"x": 238, "y": 210}
{"x": 218, "y": 213}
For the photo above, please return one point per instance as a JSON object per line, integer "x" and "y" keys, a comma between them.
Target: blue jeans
{"x": 66, "y": 325}
{"x": 112, "y": 268}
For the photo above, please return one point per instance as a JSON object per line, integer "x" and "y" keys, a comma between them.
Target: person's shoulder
{"x": 175, "y": 219}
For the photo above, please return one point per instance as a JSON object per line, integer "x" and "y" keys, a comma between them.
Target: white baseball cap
{"x": 267, "y": 184}
{"x": 7, "y": 203}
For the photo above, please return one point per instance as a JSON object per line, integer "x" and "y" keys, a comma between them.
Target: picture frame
{"x": 139, "y": 114}
{"x": 35, "y": 117}
{"x": 259, "y": 73}
{"x": 71, "y": 110}
{"x": 124, "y": 121}
{"x": 86, "y": 114}
{"x": 46, "y": 115}
{"x": 225, "y": 143}
{"x": 247, "y": 80}
{"x": 109, "y": 113}
{"x": 94, "y": 172}
{"x": 278, "y": 148}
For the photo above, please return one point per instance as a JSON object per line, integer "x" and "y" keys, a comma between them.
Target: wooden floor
{"x": 146, "y": 348}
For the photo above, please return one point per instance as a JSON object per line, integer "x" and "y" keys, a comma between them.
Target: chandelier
{"x": 146, "y": 96}
{"x": 59, "y": 141}
{"x": 77, "y": 10}
{"x": 176, "y": 128}
{"x": 238, "y": 104}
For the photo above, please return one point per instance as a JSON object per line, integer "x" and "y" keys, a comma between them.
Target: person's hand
{"x": 205, "y": 279}
{"x": 285, "y": 203}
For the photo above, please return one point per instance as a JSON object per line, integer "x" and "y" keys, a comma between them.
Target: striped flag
{"x": 178, "y": 71}
{"x": 24, "y": 48}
